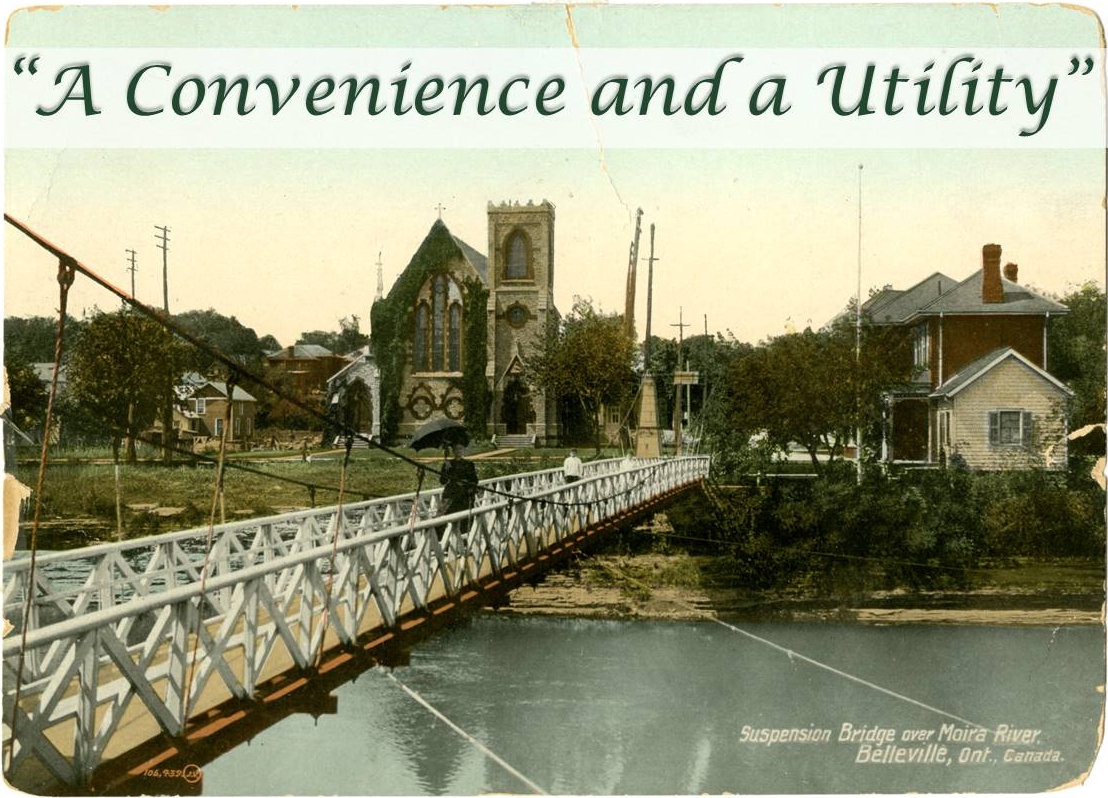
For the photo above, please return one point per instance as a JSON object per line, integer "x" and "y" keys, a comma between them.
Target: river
{"x": 611, "y": 707}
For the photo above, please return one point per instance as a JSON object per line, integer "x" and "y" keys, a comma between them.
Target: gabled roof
{"x": 358, "y": 357}
{"x": 478, "y": 261}
{"x": 972, "y": 371}
{"x": 221, "y": 388}
{"x": 301, "y": 352}
{"x": 966, "y": 298}
{"x": 892, "y": 307}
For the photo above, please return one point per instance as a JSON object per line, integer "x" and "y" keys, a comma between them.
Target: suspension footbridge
{"x": 137, "y": 651}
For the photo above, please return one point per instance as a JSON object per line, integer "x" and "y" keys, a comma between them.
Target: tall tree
{"x": 27, "y": 393}
{"x": 348, "y": 337}
{"x": 809, "y": 388}
{"x": 121, "y": 371}
{"x": 225, "y": 333}
{"x": 1076, "y": 353}
{"x": 588, "y": 359}
{"x": 31, "y": 338}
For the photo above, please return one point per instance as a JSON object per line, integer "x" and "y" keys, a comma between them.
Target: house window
{"x": 199, "y": 405}
{"x": 1009, "y": 428}
{"x": 517, "y": 256}
{"x": 218, "y": 426}
{"x": 944, "y": 430}
{"x": 921, "y": 347}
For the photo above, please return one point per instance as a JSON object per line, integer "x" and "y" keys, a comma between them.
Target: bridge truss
{"x": 128, "y": 642}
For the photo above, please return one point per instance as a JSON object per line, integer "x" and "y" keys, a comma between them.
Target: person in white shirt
{"x": 571, "y": 468}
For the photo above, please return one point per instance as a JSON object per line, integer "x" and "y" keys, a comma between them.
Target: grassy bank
{"x": 79, "y": 492}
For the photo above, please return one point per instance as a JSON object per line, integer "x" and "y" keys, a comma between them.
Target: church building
{"x": 453, "y": 336}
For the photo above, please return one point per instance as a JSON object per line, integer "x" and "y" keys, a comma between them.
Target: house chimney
{"x": 992, "y": 291}
{"x": 1011, "y": 272}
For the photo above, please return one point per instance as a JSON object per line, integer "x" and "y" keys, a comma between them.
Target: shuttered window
{"x": 1010, "y": 428}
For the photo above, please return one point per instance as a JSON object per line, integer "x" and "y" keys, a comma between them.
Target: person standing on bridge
{"x": 571, "y": 467}
{"x": 459, "y": 486}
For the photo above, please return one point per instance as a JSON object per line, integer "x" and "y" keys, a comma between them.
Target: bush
{"x": 916, "y": 529}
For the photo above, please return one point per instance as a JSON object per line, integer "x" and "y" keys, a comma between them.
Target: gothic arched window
{"x": 517, "y": 256}
{"x": 455, "y": 337}
{"x": 419, "y": 339}
{"x": 438, "y": 322}
{"x": 437, "y": 327}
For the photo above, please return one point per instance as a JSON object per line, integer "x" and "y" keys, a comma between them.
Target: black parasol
{"x": 438, "y": 433}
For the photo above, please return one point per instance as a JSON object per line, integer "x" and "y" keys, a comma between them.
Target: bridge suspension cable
{"x": 796, "y": 655}
{"x": 464, "y": 734}
{"x": 66, "y": 274}
{"x": 237, "y": 368}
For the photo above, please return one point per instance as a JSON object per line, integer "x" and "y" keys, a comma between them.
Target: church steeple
{"x": 380, "y": 280}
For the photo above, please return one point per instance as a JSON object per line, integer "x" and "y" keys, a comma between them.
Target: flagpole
{"x": 858, "y": 340}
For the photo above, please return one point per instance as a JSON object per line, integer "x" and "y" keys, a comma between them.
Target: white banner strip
{"x": 555, "y": 98}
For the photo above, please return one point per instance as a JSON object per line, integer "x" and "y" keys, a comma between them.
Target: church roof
{"x": 478, "y": 261}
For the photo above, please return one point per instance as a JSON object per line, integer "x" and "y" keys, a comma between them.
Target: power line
{"x": 247, "y": 374}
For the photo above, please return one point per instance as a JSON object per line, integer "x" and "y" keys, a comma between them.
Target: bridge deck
{"x": 138, "y": 642}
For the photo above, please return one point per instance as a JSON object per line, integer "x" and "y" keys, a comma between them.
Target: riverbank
{"x": 681, "y": 587}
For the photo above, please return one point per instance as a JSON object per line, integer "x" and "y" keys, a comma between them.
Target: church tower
{"x": 520, "y": 306}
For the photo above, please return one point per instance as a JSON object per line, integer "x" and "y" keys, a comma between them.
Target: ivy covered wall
{"x": 391, "y": 331}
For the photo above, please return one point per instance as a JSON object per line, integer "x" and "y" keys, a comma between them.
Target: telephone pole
{"x": 163, "y": 245}
{"x": 131, "y": 269}
{"x": 704, "y": 390}
{"x": 168, "y": 433}
{"x": 680, "y": 325}
{"x": 632, "y": 274}
{"x": 649, "y": 295}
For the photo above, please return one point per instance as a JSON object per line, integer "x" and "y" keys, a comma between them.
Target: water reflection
{"x": 600, "y": 707}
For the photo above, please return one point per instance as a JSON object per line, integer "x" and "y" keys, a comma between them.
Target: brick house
{"x": 981, "y": 388}
{"x": 307, "y": 367}
{"x": 205, "y": 408}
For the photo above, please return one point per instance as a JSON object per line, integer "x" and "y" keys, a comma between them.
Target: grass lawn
{"x": 79, "y": 495}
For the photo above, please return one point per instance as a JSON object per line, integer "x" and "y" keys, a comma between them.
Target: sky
{"x": 757, "y": 241}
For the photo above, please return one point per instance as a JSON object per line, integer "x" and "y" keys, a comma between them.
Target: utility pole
{"x": 632, "y": 274}
{"x": 858, "y": 341}
{"x": 704, "y": 390}
{"x": 677, "y": 419}
{"x": 163, "y": 245}
{"x": 131, "y": 269}
{"x": 649, "y": 296}
{"x": 646, "y": 438}
{"x": 168, "y": 441}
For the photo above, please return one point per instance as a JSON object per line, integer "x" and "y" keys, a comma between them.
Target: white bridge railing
{"x": 129, "y": 640}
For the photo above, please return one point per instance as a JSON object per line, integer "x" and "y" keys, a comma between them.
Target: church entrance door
{"x": 516, "y": 409}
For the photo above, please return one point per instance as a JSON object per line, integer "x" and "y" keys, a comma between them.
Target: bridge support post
{"x": 175, "y": 698}
{"x": 85, "y": 755}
